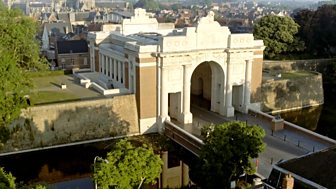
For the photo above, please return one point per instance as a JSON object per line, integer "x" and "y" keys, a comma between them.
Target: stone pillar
{"x": 229, "y": 110}
{"x": 164, "y": 173}
{"x": 92, "y": 56}
{"x": 164, "y": 95}
{"x": 119, "y": 71}
{"x": 215, "y": 89}
{"x": 110, "y": 62}
{"x": 100, "y": 62}
{"x": 122, "y": 74}
{"x": 187, "y": 116}
{"x": 113, "y": 69}
{"x": 247, "y": 89}
{"x": 185, "y": 174}
{"x": 104, "y": 65}
{"x": 107, "y": 65}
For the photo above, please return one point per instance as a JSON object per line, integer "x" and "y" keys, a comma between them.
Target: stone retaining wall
{"x": 285, "y": 94}
{"x": 61, "y": 123}
{"x": 280, "y": 95}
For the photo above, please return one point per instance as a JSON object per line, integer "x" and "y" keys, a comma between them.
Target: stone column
{"x": 113, "y": 69}
{"x": 164, "y": 157}
{"x": 119, "y": 71}
{"x": 122, "y": 74}
{"x": 187, "y": 116}
{"x": 110, "y": 62}
{"x": 100, "y": 62}
{"x": 185, "y": 174}
{"x": 116, "y": 67}
{"x": 92, "y": 56}
{"x": 104, "y": 65}
{"x": 164, "y": 95}
{"x": 247, "y": 89}
{"x": 229, "y": 110}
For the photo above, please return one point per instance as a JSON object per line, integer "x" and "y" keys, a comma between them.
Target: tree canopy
{"x": 151, "y": 5}
{"x": 7, "y": 181}
{"x": 18, "y": 37}
{"x": 318, "y": 30}
{"x": 19, "y": 53}
{"x": 227, "y": 153}
{"x": 278, "y": 34}
{"x": 127, "y": 166}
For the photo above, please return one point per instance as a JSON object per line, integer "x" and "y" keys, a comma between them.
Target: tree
{"x": 18, "y": 37}
{"x": 12, "y": 90}
{"x": 227, "y": 152}
{"x": 7, "y": 180}
{"x": 150, "y": 5}
{"x": 19, "y": 53}
{"x": 278, "y": 34}
{"x": 318, "y": 30}
{"x": 127, "y": 166}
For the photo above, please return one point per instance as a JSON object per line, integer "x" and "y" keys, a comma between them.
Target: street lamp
{"x": 94, "y": 167}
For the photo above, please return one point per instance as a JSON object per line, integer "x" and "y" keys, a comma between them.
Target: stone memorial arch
{"x": 164, "y": 66}
{"x": 207, "y": 60}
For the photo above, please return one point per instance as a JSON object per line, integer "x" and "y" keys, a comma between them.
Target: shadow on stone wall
{"x": 79, "y": 124}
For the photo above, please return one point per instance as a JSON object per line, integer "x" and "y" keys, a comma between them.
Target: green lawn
{"x": 51, "y": 97}
{"x": 293, "y": 75}
{"x": 43, "y": 82}
{"x": 47, "y": 90}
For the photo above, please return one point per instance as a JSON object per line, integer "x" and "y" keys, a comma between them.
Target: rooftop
{"x": 146, "y": 38}
{"x": 48, "y": 89}
{"x": 318, "y": 167}
{"x": 72, "y": 46}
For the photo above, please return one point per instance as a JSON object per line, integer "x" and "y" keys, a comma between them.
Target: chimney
{"x": 288, "y": 182}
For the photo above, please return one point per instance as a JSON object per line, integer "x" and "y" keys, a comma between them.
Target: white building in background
{"x": 165, "y": 67}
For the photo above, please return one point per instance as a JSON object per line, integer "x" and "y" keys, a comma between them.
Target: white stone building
{"x": 164, "y": 67}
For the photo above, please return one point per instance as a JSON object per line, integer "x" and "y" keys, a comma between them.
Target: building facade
{"x": 166, "y": 67}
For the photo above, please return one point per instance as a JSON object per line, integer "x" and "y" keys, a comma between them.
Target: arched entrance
{"x": 207, "y": 86}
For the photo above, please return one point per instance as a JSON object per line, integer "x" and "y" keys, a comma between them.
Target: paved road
{"x": 276, "y": 148}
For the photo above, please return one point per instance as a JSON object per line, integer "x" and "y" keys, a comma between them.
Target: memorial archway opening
{"x": 207, "y": 86}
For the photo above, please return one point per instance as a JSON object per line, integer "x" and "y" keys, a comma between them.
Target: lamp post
{"x": 94, "y": 167}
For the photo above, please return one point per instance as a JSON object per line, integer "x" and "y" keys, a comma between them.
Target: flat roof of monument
{"x": 147, "y": 38}
{"x": 47, "y": 89}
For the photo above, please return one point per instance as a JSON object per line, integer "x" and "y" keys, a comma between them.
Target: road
{"x": 276, "y": 148}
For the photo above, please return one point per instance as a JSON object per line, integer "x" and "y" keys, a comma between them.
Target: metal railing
{"x": 319, "y": 141}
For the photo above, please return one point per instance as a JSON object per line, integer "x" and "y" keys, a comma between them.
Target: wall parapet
{"x": 292, "y": 126}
